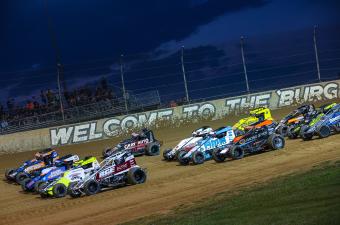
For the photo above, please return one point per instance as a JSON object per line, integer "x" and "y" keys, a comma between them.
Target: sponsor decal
{"x": 112, "y": 127}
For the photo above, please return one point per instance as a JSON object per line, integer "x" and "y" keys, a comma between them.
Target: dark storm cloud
{"x": 89, "y": 29}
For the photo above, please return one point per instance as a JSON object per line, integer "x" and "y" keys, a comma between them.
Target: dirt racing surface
{"x": 168, "y": 186}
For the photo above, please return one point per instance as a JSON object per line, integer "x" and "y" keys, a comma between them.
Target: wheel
{"x": 182, "y": 160}
{"x": 276, "y": 141}
{"x": 324, "y": 131}
{"x": 91, "y": 187}
{"x": 20, "y": 177}
{"x": 291, "y": 134}
{"x": 136, "y": 176}
{"x": 24, "y": 183}
{"x": 152, "y": 149}
{"x": 107, "y": 152}
{"x": 8, "y": 173}
{"x": 283, "y": 130}
{"x": 39, "y": 185}
{"x": 165, "y": 154}
{"x": 237, "y": 152}
{"x": 43, "y": 195}
{"x": 59, "y": 190}
{"x": 303, "y": 133}
{"x": 198, "y": 157}
{"x": 72, "y": 192}
{"x": 217, "y": 156}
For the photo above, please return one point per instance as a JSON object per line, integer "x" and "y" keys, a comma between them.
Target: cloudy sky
{"x": 93, "y": 34}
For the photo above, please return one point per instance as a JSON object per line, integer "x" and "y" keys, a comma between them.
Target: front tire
{"x": 217, "y": 156}
{"x": 291, "y": 134}
{"x": 276, "y": 141}
{"x": 198, "y": 157}
{"x": 73, "y": 193}
{"x": 24, "y": 184}
{"x": 20, "y": 177}
{"x": 237, "y": 152}
{"x": 8, "y": 173}
{"x": 59, "y": 190}
{"x": 165, "y": 154}
{"x": 304, "y": 135}
{"x": 136, "y": 176}
{"x": 91, "y": 187}
{"x": 182, "y": 160}
{"x": 107, "y": 152}
{"x": 39, "y": 185}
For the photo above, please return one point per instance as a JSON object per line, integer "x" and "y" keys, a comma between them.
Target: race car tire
{"x": 59, "y": 190}
{"x": 324, "y": 131}
{"x": 181, "y": 159}
{"x": 237, "y": 152}
{"x": 8, "y": 172}
{"x": 136, "y": 176}
{"x": 43, "y": 195}
{"x": 39, "y": 185}
{"x": 276, "y": 141}
{"x": 198, "y": 158}
{"x": 107, "y": 152}
{"x": 152, "y": 149}
{"x": 217, "y": 156}
{"x": 91, "y": 187}
{"x": 73, "y": 193}
{"x": 24, "y": 183}
{"x": 20, "y": 177}
{"x": 283, "y": 130}
{"x": 304, "y": 135}
{"x": 291, "y": 134}
{"x": 165, "y": 154}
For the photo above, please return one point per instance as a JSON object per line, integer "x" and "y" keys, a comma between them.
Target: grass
{"x": 309, "y": 198}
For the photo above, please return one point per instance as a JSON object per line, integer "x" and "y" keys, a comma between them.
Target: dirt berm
{"x": 168, "y": 186}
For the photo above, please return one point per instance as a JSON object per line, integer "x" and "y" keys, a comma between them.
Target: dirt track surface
{"x": 169, "y": 185}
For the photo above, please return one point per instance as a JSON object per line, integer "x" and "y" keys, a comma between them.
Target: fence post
{"x": 184, "y": 75}
{"x": 123, "y": 84}
{"x": 316, "y": 54}
{"x": 244, "y": 65}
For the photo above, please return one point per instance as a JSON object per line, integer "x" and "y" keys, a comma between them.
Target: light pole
{"x": 57, "y": 56}
{"x": 123, "y": 83}
{"x": 244, "y": 65}
{"x": 316, "y": 54}
{"x": 184, "y": 75}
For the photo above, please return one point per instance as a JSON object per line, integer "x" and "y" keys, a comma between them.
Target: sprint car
{"x": 187, "y": 143}
{"x": 118, "y": 169}
{"x": 294, "y": 119}
{"x": 49, "y": 173}
{"x": 257, "y": 138}
{"x": 309, "y": 119}
{"x": 139, "y": 144}
{"x": 256, "y": 115}
{"x": 324, "y": 125}
{"x": 32, "y": 167}
{"x": 203, "y": 149}
{"x": 58, "y": 188}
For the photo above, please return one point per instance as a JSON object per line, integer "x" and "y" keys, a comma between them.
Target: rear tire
{"x": 136, "y": 176}
{"x": 181, "y": 159}
{"x": 73, "y": 193}
{"x": 276, "y": 141}
{"x": 152, "y": 149}
{"x": 283, "y": 130}
{"x": 198, "y": 158}
{"x": 291, "y": 134}
{"x": 217, "y": 156}
{"x": 91, "y": 187}
{"x": 59, "y": 190}
{"x": 237, "y": 152}
{"x": 20, "y": 177}
{"x": 324, "y": 131}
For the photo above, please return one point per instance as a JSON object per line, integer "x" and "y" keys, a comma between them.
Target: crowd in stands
{"x": 48, "y": 101}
